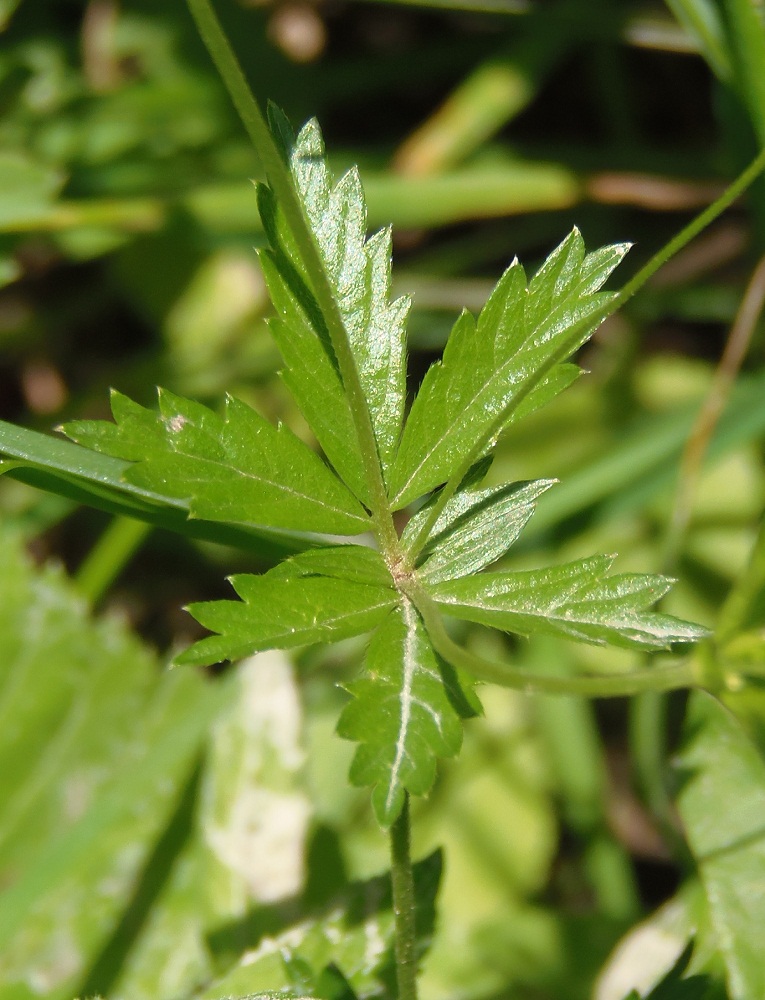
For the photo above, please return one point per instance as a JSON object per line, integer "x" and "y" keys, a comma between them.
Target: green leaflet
{"x": 406, "y": 712}
{"x": 475, "y": 528}
{"x": 722, "y": 804}
{"x": 359, "y": 270}
{"x": 486, "y": 365}
{"x": 236, "y": 468}
{"x": 575, "y": 600}
{"x": 295, "y": 604}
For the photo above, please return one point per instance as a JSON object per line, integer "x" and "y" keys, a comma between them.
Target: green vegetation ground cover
{"x": 185, "y": 834}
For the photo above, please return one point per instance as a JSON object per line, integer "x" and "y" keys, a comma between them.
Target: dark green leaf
{"x": 88, "y": 477}
{"x": 486, "y": 365}
{"x": 575, "y": 600}
{"x": 301, "y": 601}
{"x": 359, "y": 270}
{"x": 235, "y": 468}
{"x": 475, "y": 528}
{"x": 406, "y": 713}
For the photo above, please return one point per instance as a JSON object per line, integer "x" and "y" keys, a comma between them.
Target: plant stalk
{"x": 671, "y": 678}
{"x": 280, "y": 179}
{"x": 404, "y": 906}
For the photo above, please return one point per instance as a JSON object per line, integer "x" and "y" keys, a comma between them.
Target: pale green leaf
{"x": 722, "y": 804}
{"x": 96, "y": 747}
{"x": 355, "y": 935}
{"x": 247, "y": 848}
{"x": 301, "y": 601}
{"x": 236, "y": 468}
{"x": 359, "y": 271}
{"x": 475, "y": 529}
{"x": 406, "y": 712}
{"x": 489, "y": 363}
{"x": 575, "y": 599}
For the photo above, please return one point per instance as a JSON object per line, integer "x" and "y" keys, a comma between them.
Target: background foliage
{"x": 178, "y": 834}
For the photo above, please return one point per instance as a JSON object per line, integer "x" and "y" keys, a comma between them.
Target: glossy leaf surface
{"x": 359, "y": 271}
{"x": 576, "y": 600}
{"x": 236, "y": 468}
{"x": 476, "y": 528}
{"x": 488, "y": 363}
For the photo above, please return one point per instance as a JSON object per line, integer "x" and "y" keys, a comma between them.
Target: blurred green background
{"x": 141, "y": 856}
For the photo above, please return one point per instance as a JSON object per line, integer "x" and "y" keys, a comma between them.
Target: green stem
{"x": 107, "y": 558}
{"x": 404, "y": 906}
{"x": 280, "y": 179}
{"x": 572, "y": 340}
{"x": 680, "y": 675}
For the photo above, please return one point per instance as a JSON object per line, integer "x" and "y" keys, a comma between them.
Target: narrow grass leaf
{"x": 574, "y": 599}
{"x": 237, "y": 468}
{"x": 406, "y": 712}
{"x": 488, "y": 363}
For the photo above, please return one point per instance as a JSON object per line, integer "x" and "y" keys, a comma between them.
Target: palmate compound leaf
{"x": 318, "y": 596}
{"x": 487, "y": 364}
{"x": 406, "y": 712}
{"x": 236, "y": 468}
{"x": 359, "y": 272}
{"x": 575, "y": 599}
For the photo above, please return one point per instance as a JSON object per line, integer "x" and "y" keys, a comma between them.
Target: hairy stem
{"x": 404, "y": 906}
{"x": 570, "y": 342}
{"x": 280, "y": 179}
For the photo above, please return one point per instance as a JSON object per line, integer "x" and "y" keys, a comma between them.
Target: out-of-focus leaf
{"x": 722, "y": 803}
{"x": 27, "y": 188}
{"x": 406, "y": 713}
{"x": 475, "y": 528}
{"x": 247, "y": 856}
{"x": 237, "y": 468}
{"x": 96, "y": 746}
{"x": 575, "y": 599}
{"x": 303, "y": 600}
{"x": 355, "y": 935}
{"x": 486, "y": 365}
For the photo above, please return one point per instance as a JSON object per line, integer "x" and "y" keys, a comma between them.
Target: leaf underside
{"x": 318, "y": 596}
{"x": 406, "y": 712}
